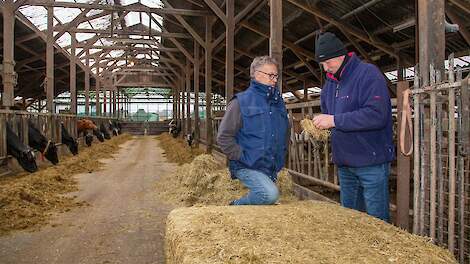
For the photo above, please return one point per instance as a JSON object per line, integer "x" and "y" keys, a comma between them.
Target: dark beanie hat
{"x": 328, "y": 46}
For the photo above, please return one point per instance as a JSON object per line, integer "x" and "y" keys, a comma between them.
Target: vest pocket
{"x": 254, "y": 128}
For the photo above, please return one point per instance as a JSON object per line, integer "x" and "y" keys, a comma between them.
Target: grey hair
{"x": 260, "y": 61}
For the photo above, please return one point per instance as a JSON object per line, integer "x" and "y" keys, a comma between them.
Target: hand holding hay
{"x": 317, "y": 133}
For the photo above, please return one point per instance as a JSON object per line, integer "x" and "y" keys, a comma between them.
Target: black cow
{"x": 40, "y": 143}
{"x": 105, "y": 131}
{"x": 68, "y": 140}
{"x": 98, "y": 135}
{"x": 23, "y": 153}
{"x": 88, "y": 139}
{"x": 113, "y": 127}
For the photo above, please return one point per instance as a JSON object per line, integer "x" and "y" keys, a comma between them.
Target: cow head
{"x": 51, "y": 153}
{"x": 98, "y": 135}
{"x": 105, "y": 131}
{"x": 88, "y": 139}
{"x": 23, "y": 154}
{"x": 27, "y": 160}
{"x": 68, "y": 140}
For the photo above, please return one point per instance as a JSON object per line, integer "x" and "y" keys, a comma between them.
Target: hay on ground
{"x": 317, "y": 133}
{"x": 176, "y": 149}
{"x": 204, "y": 181}
{"x": 301, "y": 232}
{"x": 28, "y": 200}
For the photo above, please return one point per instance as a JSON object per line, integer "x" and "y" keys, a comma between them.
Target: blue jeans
{"x": 366, "y": 189}
{"x": 262, "y": 190}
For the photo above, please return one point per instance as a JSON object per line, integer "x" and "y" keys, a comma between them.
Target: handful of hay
{"x": 317, "y": 133}
{"x": 300, "y": 232}
{"x": 205, "y": 181}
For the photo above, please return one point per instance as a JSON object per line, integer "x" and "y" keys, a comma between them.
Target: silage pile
{"x": 317, "y": 133}
{"x": 176, "y": 149}
{"x": 205, "y": 181}
{"x": 300, "y": 232}
{"x": 28, "y": 200}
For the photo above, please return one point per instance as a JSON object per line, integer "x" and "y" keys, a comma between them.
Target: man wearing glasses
{"x": 253, "y": 134}
{"x": 356, "y": 105}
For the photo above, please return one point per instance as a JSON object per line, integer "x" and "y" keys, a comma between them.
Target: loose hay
{"x": 317, "y": 133}
{"x": 204, "y": 181}
{"x": 176, "y": 149}
{"x": 28, "y": 200}
{"x": 301, "y": 232}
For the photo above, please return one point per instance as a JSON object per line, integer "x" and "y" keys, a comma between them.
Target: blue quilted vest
{"x": 263, "y": 136}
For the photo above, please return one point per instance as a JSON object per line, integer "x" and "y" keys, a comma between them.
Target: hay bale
{"x": 176, "y": 149}
{"x": 27, "y": 200}
{"x": 301, "y": 232}
{"x": 317, "y": 133}
{"x": 205, "y": 181}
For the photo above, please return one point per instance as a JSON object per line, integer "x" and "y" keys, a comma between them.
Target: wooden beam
{"x": 50, "y": 60}
{"x": 465, "y": 6}
{"x": 352, "y": 30}
{"x": 131, "y": 8}
{"x": 8, "y": 11}
{"x": 73, "y": 76}
{"x": 87, "y": 85}
{"x": 454, "y": 17}
{"x": 186, "y": 26}
{"x": 104, "y": 32}
{"x": 197, "y": 130}
{"x": 275, "y": 40}
{"x": 229, "y": 48}
{"x": 215, "y": 8}
{"x": 208, "y": 83}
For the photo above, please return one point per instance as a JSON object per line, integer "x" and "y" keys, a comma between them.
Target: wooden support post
{"x": 73, "y": 75}
{"x": 229, "y": 49}
{"x": 87, "y": 83}
{"x": 183, "y": 101}
{"x": 208, "y": 77}
{"x": 105, "y": 95}
{"x": 118, "y": 103}
{"x": 8, "y": 10}
{"x": 275, "y": 40}
{"x": 50, "y": 60}
{"x": 403, "y": 167}
{"x": 305, "y": 98}
{"x": 114, "y": 102}
{"x": 196, "y": 94}
{"x": 188, "y": 97}
{"x": 97, "y": 91}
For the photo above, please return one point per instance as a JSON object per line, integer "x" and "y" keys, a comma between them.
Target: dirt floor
{"x": 124, "y": 223}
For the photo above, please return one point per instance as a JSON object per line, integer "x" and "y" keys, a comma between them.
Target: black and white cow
{"x": 20, "y": 151}
{"x": 105, "y": 131}
{"x": 68, "y": 140}
{"x": 98, "y": 134}
{"x": 40, "y": 143}
{"x": 175, "y": 128}
{"x": 113, "y": 128}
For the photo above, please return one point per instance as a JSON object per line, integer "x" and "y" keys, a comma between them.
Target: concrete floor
{"x": 124, "y": 224}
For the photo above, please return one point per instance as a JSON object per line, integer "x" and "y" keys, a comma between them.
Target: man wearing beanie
{"x": 356, "y": 107}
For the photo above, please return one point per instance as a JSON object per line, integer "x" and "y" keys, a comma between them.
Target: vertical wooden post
{"x": 73, "y": 74}
{"x": 403, "y": 166}
{"x": 183, "y": 101}
{"x": 50, "y": 59}
{"x": 105, "y": 94}
{"x": 305, "y": 99}
{"x": 87, "y": 83}
{"x": 229, "y": 48}
{"x": 97, "y": 89}
{"x": 196, "y": 94}
{"x": 275, "y": 40}
{"x": 8, "y": 10}
{"x": 118, "y": 103}
{"x": 208, "y": 77}
{"x": 188, "y": 97}
{"x": 114, "y": 102}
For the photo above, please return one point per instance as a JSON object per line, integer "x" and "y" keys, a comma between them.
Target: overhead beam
{"x": 275, "y": 39}
{"x": 131, "y": 8}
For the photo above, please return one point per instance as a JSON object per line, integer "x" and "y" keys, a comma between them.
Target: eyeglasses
{"x": 272, "y": 76}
